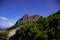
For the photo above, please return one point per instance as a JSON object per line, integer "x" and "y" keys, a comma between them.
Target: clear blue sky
{"x": 12, "y": 10}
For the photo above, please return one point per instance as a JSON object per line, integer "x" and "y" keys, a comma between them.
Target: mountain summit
{"x": 27, "y": 18}
{"x": 34, "y": 28}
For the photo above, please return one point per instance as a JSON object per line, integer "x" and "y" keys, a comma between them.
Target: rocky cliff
{"x": 27, "y": 18}
{"x": 21, "y": 21}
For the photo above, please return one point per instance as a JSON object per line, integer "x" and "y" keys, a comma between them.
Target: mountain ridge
{"x": 27, "y": 18}
{"x": 40, "y": 29}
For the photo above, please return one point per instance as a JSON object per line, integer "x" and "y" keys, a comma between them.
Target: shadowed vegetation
{"x": 42, "y": 29}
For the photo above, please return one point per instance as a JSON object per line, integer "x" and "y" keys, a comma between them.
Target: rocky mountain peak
{"x": 27, "y": 18}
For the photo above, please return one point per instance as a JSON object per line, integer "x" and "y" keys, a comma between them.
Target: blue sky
{"x": 12, "y": 10}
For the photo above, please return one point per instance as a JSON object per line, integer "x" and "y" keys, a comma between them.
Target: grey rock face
{"x": 27, "y": 18}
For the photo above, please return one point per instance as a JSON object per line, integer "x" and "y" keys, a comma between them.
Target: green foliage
{"x": 33, "y": 30}
{"x": 3, "y": 35}
{"x": 54, "y": 26}
{"x": 43, "y": 29}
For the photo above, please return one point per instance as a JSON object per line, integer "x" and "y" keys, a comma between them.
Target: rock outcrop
{"x": 24, "y": 19}
{"x": 27, "y": 18}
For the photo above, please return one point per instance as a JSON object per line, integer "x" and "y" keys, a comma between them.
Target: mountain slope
{"x": 25, "y": 19}
{"x": 40, "y": 29}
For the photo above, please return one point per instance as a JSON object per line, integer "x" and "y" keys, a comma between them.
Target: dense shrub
{"x": 43, "y": 29}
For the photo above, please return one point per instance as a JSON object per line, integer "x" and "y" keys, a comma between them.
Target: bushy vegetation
{"x": 3, "y": 35}
{"x": 42, "y": 29}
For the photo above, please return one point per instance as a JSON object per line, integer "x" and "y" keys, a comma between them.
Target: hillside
{"x": 34, "y": 28}
{"x": 26, "y": 18}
